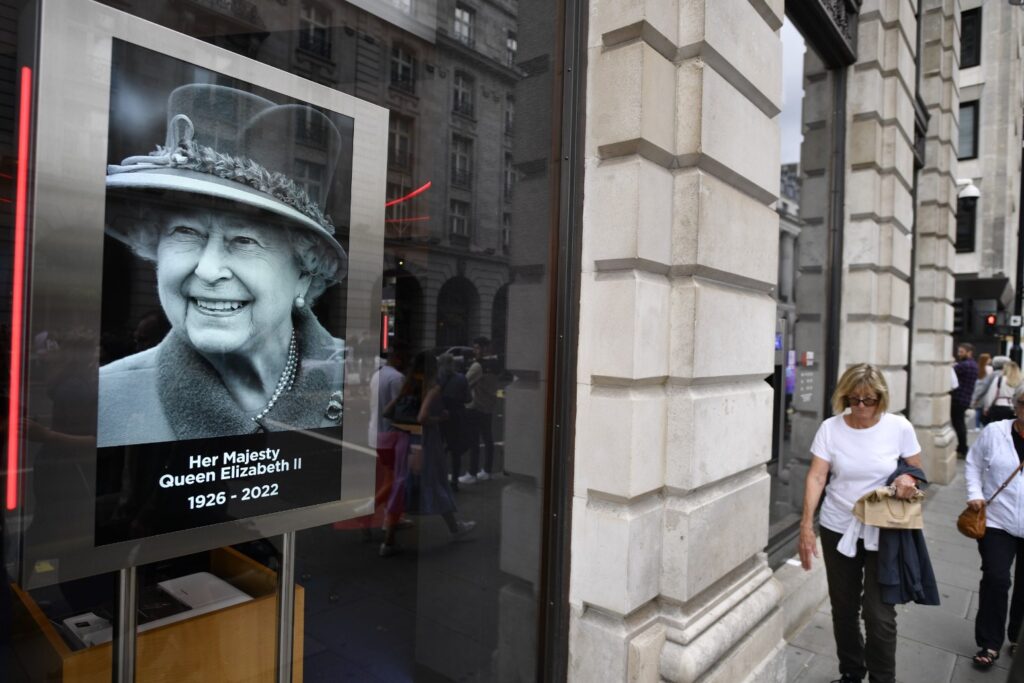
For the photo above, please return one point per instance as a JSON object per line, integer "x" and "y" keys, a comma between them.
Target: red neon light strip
{"x": 384, "y": 328}
{"x": 18, "y": 295}
{"x": 414, "y": 219}
{"x": 417, "y": 191}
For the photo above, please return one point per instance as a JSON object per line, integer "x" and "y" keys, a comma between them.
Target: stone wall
{"x": 935, "y": 233}
{"x": 673, "y": 415}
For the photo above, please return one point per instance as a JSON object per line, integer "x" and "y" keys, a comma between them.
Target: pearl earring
{"x": 300, "y": 301}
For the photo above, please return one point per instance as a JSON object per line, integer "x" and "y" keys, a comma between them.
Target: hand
{"x": 808, "y": 547}
{"x": 976, "y": 504}
{"x": 906, "y": 486}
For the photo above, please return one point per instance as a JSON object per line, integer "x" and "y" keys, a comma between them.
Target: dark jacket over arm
{"x": 904, "y": 568}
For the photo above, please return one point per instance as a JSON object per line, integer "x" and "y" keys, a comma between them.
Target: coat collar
{"x": 198, "y": 405}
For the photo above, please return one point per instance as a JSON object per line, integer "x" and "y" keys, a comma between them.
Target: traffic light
{"x": 991, "y": 320}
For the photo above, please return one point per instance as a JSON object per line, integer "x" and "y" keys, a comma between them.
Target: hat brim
{"x": 196, "y": 183}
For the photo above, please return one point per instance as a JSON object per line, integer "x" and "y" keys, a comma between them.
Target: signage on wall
{"x": 197, "y": 242}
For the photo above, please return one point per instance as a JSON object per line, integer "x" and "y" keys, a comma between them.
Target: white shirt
{"x": 860, "y": 460}
{"x": 990, "y": 461}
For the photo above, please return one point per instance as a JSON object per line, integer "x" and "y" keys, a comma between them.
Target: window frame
{"x": 461, "y": 161}
{"x": 464, "y": 24}
{"x": 975, "y": 106}
{"x": 970, "y": 33}
{"x": 402, "y": 68}
{"x": 966, "y": 225}
{"x": 463, "y": 94}
{"x": 454, "y": 216}
{"x": 315, "y": 30}
{"x": 396, "y": 134}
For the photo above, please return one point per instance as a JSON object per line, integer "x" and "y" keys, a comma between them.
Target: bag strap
{"x": 1005, "y": 483}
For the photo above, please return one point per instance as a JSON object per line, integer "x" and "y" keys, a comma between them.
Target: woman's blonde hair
{"x": 861, "y": 375}
{"x": 1011, "y": 373}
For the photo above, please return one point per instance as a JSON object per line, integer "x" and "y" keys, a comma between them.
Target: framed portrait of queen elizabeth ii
{"x": 214, "y": 228}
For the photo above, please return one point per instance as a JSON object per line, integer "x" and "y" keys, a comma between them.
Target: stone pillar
{"x": 879, "y": 190}
{"x": 934, "y": 240}
{"x": 677, "y": 320}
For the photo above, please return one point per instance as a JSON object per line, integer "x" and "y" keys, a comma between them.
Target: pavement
{"x": 935, "y": 644}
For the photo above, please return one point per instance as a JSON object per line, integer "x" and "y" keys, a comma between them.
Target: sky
{"x": 793, "y": 48}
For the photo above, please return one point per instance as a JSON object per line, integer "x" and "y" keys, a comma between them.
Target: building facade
{"x": 988, "y": 145}
{"x": 676, "y": 222}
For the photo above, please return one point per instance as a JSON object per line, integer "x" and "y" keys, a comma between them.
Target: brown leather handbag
{"x": 971, "y": 523}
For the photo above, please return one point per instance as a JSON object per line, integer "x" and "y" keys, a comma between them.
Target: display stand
{"x": 234, "y": 644}
{"x": 126, "y": 630}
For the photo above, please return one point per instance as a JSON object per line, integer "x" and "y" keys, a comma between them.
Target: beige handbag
{"x": 883, "y": 509}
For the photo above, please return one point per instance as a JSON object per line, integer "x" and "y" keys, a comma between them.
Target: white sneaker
{"x": 463, "y": 527}
{"x": 482, "y": 475}
{"x": 467, "y": 478}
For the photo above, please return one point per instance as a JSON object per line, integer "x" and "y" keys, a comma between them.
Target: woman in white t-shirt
{"x": 860, "y": 446}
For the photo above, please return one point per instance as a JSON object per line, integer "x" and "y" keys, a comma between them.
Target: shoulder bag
{"x": 971, "y": 523}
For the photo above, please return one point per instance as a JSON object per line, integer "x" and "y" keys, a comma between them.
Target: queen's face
{"x": 227, "y": 281}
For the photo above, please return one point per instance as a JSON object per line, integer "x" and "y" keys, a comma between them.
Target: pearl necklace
{"x": 286, "y": 381}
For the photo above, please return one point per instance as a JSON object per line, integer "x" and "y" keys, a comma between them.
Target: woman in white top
{"x": 860, "y": 446}
{"x": 993, "y": 457}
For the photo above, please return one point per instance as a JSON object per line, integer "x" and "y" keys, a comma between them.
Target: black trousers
{"x": 481, "y": 429}
{"x": 853, "y": 590}
{"x": 956, "y": 414}
{"x": 998, "y": 550}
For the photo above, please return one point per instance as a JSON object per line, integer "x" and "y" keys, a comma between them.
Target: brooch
{"x": 334, "y": 409}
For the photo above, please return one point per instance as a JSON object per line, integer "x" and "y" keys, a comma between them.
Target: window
{"x": 506, "y": 231}
{"x": 510, "y": 177}
{"x": 462, "y": 161}
{"x": 462, "y": 101}
{"x": 510, "y": 112}
{"x": 968, "y": 148}
{"x": 311, "y": 128}
{"x": 314, "y": 29}
{"x": 309, "y": 175}
{"x": 401, "y": 210}
{"x": 400, "y": 130}
{"x": 463, "y": 27}
{"x": 970, "y": 38}
{"x": 403, "y": 68}
{"x": 511, "y": 46}
{"x": 404, "y": 6}
{"x": 966, "y": 219}
{"x": 459, "y": 218}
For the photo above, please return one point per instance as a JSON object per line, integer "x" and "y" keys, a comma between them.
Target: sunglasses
{"x": 866, "y": 401}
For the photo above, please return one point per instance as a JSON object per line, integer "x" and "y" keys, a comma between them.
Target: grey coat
{"x": 171, "y": 393}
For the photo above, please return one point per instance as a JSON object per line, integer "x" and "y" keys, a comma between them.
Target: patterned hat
{"x": 229, "y": 144}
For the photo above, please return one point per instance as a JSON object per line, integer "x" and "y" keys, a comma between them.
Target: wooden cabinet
{"x": 235, "y": 644}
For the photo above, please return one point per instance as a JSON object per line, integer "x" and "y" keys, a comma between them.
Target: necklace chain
{"x": 286, "y": 381}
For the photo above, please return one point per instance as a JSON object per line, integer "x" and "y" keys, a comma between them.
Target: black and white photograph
{"x": 227, "y": 221}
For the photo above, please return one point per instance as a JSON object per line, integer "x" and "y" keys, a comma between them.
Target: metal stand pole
{"x": 286, "y": 609}
{"x": 123, "y": 666}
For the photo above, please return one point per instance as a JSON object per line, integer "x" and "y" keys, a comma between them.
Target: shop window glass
{"x": 802, "y": 293}
{"x": 435, "y": 571}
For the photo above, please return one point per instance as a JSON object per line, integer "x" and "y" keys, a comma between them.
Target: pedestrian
{"x": 861, "y": 446}
{"x": 986, "y": 368}
{"x": 997, "y": 403}
{"x": 996, "y": 457}
{"x": 967, "y": 375}
{"x": 483, "y": 385}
